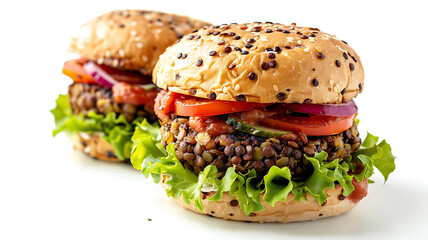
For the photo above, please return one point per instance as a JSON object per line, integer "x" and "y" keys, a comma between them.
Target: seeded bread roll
{"x": 261, "y": 62}
{"x": 131, "y": 39}
{"x": 94, "y": 145}
{"x": 283, "y": 212}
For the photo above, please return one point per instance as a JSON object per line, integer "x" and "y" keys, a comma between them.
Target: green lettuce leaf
{"x": 149, "y": 157}
{"x": 116, "y": 129}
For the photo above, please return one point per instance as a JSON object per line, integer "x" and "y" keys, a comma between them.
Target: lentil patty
{"x": 86, "y": 97}
{"x": 198, "y": 150}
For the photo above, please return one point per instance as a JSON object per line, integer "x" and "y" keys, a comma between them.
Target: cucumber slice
{"x": 255, "y": 130}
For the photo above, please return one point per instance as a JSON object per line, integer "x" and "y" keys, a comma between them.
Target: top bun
{"x": 131, "y": 39}
{"x": 262, "y": 62}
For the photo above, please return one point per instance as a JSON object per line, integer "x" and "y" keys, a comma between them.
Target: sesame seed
{"x": 345, "y": 56}
{"x": 231, "y": 66}
{"x": 271, "y": 55}
{"x": 351, "y": 66}
{"x": 197, "y": 37}
{"x": 241, "y": 98}
{"x": 264, "y": 66}
{"x": 190, "y": 37}
{"x": 232, "y": 34}
{"x": 315, "y": 82}
{"x": 287, "y": 47}
{"x": 272, "y": 63}
{"x": 268, "y": 30}
{"x": 121, "y": 25}
{"x": 179, "y": 55}
{"x": 212, "y": 96}
{"x": 121, "y": 53}
{"x": 248, "y": 45}
{"x": 199, "y": 62}
{"x": 251, "y": 40}
{"x": 281, "y": 96}
{"x": 256, "y": 29}
{"x": 227, "y": 49}
{"x": 268, "y": 49}
{"x": 275, "y": 87}
{"x": 244, "y": 52}
{"x": 177, "y": 76}
{"x": 277, "y": 49}
{"x": 313, "y": 69}
{"x": 285, "y": 31}
{"x": 360, "y": 87}
{"x": 183, "y": 56}
{"x": 212, "y": 53}
{"x": 338, "y": 63}
{"x": 192, "y": 91}
{"x": 221, "y": 42}
{"x": 311, "y": 35}
{"x": 237, "y": 49}
{"x": 343, "y": 91}
{"x": 320, "y": 55}
{"x": 216, "y": 33}
{"x": 237, "y": 37}
{"x": 344, "y": 42}
{"x": 305, "y": 37}
{"x": 252, "y": 76}
{"x": 353, "y": 58}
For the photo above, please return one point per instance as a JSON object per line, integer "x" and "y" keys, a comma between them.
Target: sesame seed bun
{"x": 261, "y": 62}
{"x": 131, "y": 39}
{"x": 94, "y": 145}
{"x": 283, "y": 212}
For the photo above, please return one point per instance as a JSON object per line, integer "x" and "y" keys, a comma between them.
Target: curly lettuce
{"x": 115, "y": 128}
{"x": 149, "y": 156}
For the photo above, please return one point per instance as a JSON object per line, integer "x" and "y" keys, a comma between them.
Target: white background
{"x": 48, "y": 191}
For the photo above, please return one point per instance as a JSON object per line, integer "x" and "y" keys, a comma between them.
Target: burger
{"x": 112, "y": 87}
{"x": 258, "y": 123}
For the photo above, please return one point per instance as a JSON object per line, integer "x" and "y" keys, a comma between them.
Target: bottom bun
{"x": 283, "y": 212}
{"x": 94, "y": 145}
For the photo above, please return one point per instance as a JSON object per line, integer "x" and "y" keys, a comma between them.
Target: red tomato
{"x": 164, "y": 103}
{"x": 74, "y": 69}
{"x": 360, "y": 190}
{"x": 312, "y": 126}
{"x": 213, "y": 125}
{"x": 131, "y": 94}
{"x": 126, "y": 76}
{"x": 191, "y": 106}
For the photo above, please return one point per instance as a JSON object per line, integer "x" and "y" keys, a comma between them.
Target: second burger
{"x": 112, "y": 87}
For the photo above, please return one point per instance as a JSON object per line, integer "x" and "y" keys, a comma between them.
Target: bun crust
{"x": 261, "y": 62}
{"x": 283, "y": 212}
{"x": 94, "y": 145}
{"x": 131, "y": 39}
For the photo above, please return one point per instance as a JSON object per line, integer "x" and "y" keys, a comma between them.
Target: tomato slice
{"x": 133, "y": 77}
{"x": 164, "y": 103}
{"x": 204, "y": 107}
{"x": 74, "y": 69}
{"x": 312, "y": 126}
{"x": 131, "y": 94}
{"x": 360, "y": 190}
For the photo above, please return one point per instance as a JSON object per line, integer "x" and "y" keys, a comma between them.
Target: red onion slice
{"x": 338, "y": 110}
{"x": 103, "y": 78}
